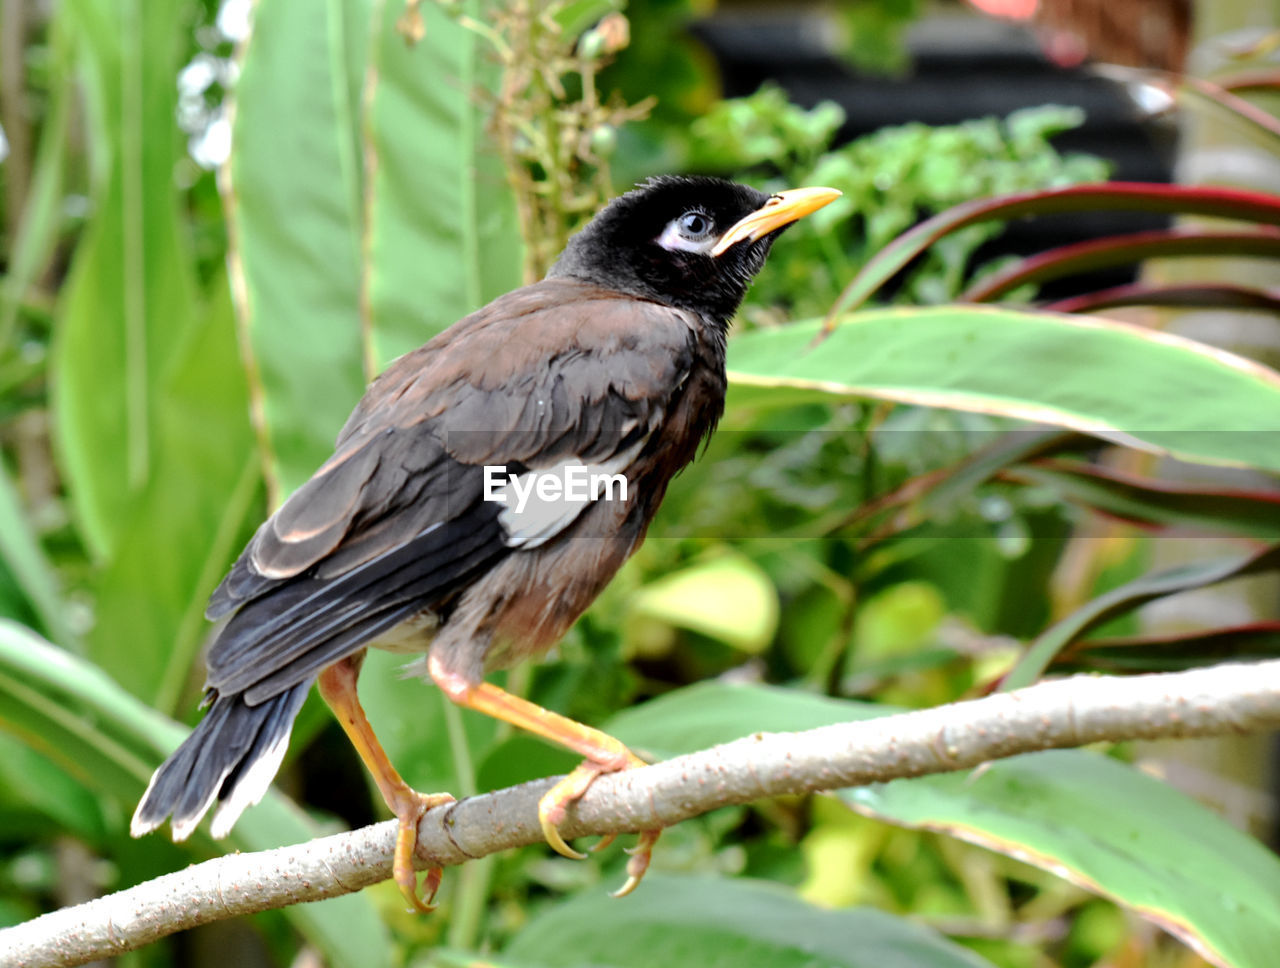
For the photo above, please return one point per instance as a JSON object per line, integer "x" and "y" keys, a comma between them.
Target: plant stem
{"x": 472, "y": 896}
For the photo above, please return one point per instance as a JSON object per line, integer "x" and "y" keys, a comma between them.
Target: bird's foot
{"x": 551, "y": 813}
{"x": 410, "y": 807}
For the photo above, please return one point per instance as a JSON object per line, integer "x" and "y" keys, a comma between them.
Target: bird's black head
{"x": 690, "y": 242}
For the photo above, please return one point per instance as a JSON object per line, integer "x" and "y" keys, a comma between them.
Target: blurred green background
{"x": 214, "y": 236}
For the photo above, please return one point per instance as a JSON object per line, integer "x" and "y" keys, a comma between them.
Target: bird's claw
{"x": 409, "y": 811}
{"x": 551, "y": 809}
{"x": 638, "y": 862}
{"x": 551, "y": 813}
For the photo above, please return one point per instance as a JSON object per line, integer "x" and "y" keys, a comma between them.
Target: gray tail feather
{"x": 231, "y": 757}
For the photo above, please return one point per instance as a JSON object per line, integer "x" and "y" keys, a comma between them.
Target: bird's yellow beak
{"x": 781, "y": 209}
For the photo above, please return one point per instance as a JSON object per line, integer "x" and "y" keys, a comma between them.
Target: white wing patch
{"x": 543, "y": 502}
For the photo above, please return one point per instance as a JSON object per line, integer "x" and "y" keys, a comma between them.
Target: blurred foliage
{"x": 897, "y": 536}
{"x": 890, "y": 180}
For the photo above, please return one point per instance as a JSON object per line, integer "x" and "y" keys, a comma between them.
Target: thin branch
{"x": 1071, "y": 712}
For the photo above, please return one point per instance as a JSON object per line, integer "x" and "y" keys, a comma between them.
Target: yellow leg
{"x": 338, "y": 688}
{"x": 604, "y": 754}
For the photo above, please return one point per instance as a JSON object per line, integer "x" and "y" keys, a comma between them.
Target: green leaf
{"x": 1126, "y": 598}
{"x": 442, "y": 238}
{"x": 728, "y": 597}
{"x": 29, "y": 781}
{"x": 130, "y": 295}
{"x": 716, "y": 922}
{"x": 1097, "y": 376}
{"x": 293, "y": 207}
{"x": 36, "y": 237}
{"x": 74, "y": 714}
{"x": 1093, "y": 820}
{"x": 1114, "y": 831}
{"x": 21, "y": 551}
{"x": 192, "y": 515}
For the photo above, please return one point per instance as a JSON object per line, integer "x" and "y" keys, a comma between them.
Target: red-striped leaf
{"x": 1228, "y": 203}
{"x": 1121, "y": 250}
{"x": 1206, "y": 295}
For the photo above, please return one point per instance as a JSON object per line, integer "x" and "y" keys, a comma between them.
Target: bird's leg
{"x": 338, "y": 688}
{"x": 603, "y": 753}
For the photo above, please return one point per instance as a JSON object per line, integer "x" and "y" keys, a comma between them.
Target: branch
{"x": 1067, "y": 713}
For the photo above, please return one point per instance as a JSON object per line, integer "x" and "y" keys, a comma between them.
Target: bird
{"x": 414, "y": 536}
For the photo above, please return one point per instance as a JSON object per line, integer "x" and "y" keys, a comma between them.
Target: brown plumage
{"x": 615, "y": 363}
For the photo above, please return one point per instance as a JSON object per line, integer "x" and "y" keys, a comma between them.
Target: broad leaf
{"x": 293, "y": 205}
{"x": 129, "y": 299}
{"x": 715, "y": 922}
{"x": 441, "y": 232}
{"x": 68, "y": 710}
{"x": 192, "y": 516}
{"x": 1114, "y": 831}
{"x": 1080, "y": 815}
{"x": 1098, "y": 376}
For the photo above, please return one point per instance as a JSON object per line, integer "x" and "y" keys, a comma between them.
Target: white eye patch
{"x": 691, "y": 232}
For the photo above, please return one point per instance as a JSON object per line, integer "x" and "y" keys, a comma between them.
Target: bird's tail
{"x": 231, "y": 757}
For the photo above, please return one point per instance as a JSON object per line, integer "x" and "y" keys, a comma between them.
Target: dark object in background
{"x": 963, "y": 66}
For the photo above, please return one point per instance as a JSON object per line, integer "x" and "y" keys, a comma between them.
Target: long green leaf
{"x": 1098, "y": 376}
{"x": 21, "y": 551}
{"x": 37, "y": 234}
{"x": 1080, "y": 815}
{"x": 715, "y": 922}
{"x": 1126, "y": 598}
{"x": 192, "y": 515}
{"x": 293, "y": 196}
{"x": 80, "y": 719}
{"x": 130, "y": 296}
{"x": 1114, "y": 831}
{"x": 441, "y": 233}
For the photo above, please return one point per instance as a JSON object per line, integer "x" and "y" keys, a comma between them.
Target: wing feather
{"x": 395, "y": 522}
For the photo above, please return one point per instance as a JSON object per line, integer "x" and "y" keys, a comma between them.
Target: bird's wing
{"x": 395, "y": 521}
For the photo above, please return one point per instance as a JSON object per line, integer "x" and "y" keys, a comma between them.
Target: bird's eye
{"x": 694, "y": 225}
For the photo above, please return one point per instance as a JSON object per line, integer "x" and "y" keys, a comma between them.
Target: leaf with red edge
{"x": 1122, "y": 250}
{"x": 1254, "y": 514}
{"x": 1230, "y": 203}
{"x": 1257, "y": 79}
{"x": 1205, "y": 295}
{"x": 1126, "y": 598}
{"x": 1172, "y": 653}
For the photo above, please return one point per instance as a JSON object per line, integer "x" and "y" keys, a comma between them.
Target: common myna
{"x": 612, "y": 365}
